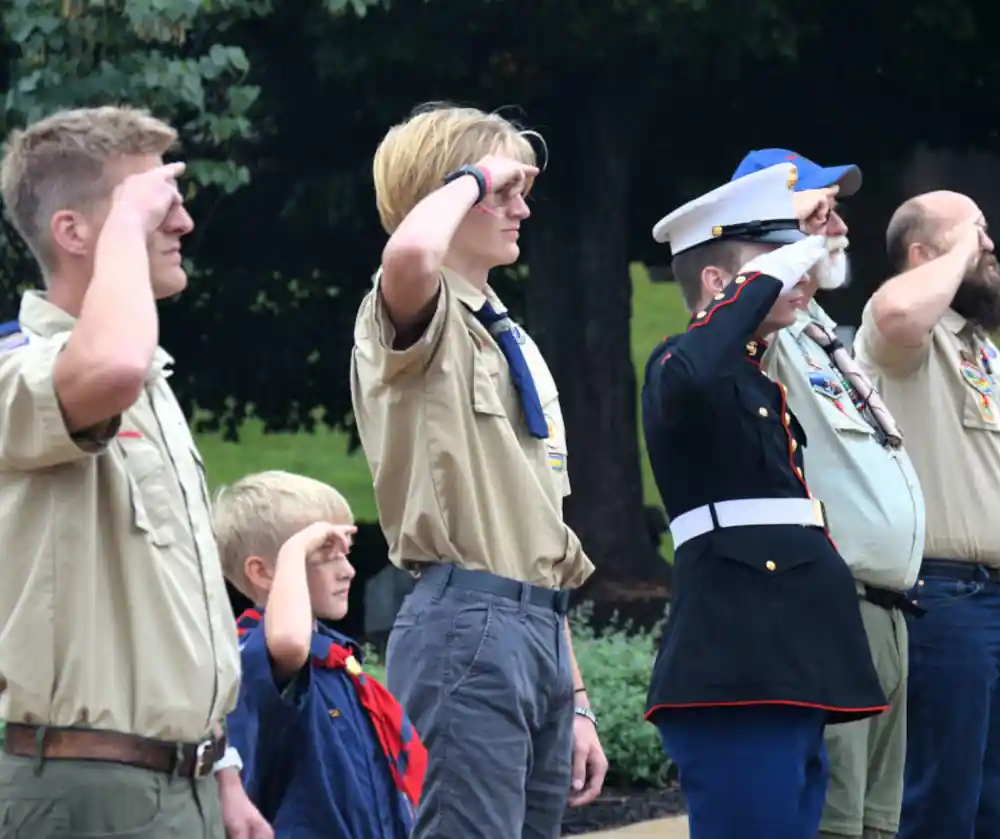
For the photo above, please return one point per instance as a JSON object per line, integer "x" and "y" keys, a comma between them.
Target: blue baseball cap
{"x": 811, "y": 175}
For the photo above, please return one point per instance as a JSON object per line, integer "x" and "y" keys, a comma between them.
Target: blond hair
{"x": 415, "y": 156}
{"x": 59, "y": 163}
{"x": 258, "y": 513}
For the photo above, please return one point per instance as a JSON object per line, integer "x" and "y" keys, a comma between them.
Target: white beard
{"x": 834, "y": 270}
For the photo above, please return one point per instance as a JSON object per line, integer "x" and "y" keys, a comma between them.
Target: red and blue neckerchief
{"x": 404, "y": 751}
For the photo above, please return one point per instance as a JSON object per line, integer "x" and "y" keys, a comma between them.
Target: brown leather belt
{"x": 186, "y": 760}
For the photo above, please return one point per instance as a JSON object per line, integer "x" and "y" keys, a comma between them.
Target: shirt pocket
{"x": 149, "y": 490}
{"x": 486, "y": 383}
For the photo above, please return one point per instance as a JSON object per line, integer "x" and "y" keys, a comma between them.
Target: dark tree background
{"x": 644, "y": 104}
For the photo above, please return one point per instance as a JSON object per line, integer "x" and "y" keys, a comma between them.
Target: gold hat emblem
{"x": 717, "y": 230}
{"x": 793, "y": 177}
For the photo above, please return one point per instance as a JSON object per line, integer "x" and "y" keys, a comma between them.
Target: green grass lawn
{"x": 656, "y": 311}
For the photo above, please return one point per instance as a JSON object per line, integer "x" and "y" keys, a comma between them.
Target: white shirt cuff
{"x": 231, "y": 759}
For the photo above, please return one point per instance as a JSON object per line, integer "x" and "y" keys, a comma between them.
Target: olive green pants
{"x": 865, "y": 792}
{"x": 71, "y": 799}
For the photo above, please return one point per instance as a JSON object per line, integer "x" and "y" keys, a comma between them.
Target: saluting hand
{"x": 813, "y": 207}
{"x": 967, "y": 239}
{"x": 150, "y": 196}
{"x": 506, "y": 174}
{"x": 789, "y": 263}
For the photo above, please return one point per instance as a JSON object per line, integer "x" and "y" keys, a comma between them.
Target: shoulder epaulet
{"x": 11, "y": 336}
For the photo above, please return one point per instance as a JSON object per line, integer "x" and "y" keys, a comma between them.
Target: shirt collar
{"x": 43, "y": 318}
{"x": 954, "y": 322}
{"x": 469, "y": 295}
{"x": 813, "y": 314}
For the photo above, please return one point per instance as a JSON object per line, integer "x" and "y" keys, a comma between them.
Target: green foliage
{"x": 616, "y": 664}
{"x": 171, "y": 56}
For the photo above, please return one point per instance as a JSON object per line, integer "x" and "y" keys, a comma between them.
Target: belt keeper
{"x": 175, "y": 773}
{"x": 39, "y": 758}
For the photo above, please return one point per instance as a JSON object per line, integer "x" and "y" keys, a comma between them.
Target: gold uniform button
{"x": 740, "y": 280}
{"x": 788, "y": 419}
{"x": 719, "y": 296}
{"x": 795, "y": 445}
{"x": 762, "y": 411}
{"x": 701, "y": 314}
{"x": 798, "y": 471}
{"x": 770, "y": 566}
{"x": 784, "y": 389}
{"x": 920, "y": 582}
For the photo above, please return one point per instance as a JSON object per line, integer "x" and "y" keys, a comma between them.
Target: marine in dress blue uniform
{"x": 765, "y": 644}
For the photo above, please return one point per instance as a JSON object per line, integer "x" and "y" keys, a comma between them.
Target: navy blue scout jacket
{"x": 313, "y": 764}
{"x": 760, "y": 614}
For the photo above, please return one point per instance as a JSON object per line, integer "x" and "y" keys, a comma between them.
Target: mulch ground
{"x": 621, "y": 807}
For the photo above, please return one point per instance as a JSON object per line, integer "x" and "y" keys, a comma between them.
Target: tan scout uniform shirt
{"x": 458, "y": 478}
{"x": 871, "y": 492}
{"x": 113, "y": 609}
{"x": 945, "y": 402}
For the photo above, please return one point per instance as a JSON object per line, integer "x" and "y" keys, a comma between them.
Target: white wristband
{"x": 231, "y": 759}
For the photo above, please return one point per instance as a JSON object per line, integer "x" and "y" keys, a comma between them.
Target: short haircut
{"x": 415, "y": 156}
{"x": 908, "y": 225}
{"x": 59, "y": 162}
{"x": 256, "y": 515}
{"x": 727, "y": 254}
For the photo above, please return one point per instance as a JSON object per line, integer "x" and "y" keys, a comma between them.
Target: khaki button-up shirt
{"x": 872, "y": 496}
{"x": 113, "y": 608}
{"x": 457, "y": 476}
{"x": 943, "y": 394}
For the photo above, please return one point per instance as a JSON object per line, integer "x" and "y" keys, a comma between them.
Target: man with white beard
{"x": 875, "y": 508}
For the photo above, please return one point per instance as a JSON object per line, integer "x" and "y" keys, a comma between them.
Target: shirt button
{"x": 762, "y": 411}
{"x": 770, "y": 566}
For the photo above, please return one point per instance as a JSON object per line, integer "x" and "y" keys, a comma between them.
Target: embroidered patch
{"x": 828, "y": 387}
{"x": 557, "y": 455}
{"x": 975, "y": 377}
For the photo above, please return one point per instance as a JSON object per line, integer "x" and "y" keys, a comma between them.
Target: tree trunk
{"x": 579, "y": 303}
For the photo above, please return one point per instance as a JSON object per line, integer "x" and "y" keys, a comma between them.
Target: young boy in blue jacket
{"x": 327, "y": 751}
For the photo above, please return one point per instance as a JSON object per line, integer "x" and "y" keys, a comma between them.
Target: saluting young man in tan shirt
{"x": 118, "y": 656}
{"x": 925, "y": 337}
{"x": 460, "y": 421}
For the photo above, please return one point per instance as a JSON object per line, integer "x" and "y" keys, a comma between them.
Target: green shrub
{"x": 616, "y": 664}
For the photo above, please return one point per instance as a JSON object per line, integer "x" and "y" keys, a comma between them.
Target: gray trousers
{"x": 78, "y": 799}
{"x": 486, "y": 680}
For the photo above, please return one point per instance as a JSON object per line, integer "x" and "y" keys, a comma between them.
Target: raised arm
{"x": 907, "y": 307}
{"x": 414, "y": 254}
{"x": 714, "y": 342}
{"x": 103, "y": 367}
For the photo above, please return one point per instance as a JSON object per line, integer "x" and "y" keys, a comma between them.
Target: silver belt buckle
{"x": 202, "y": 762}
{"x": 819, "y": 513}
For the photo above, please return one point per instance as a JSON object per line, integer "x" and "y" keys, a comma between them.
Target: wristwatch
{"x": 586, "y": 712}
{"x": 482, "y": 178}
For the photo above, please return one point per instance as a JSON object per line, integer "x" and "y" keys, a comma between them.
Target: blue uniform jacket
{"x": 760, "y": 614}
{"x": 313, "y": 765}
